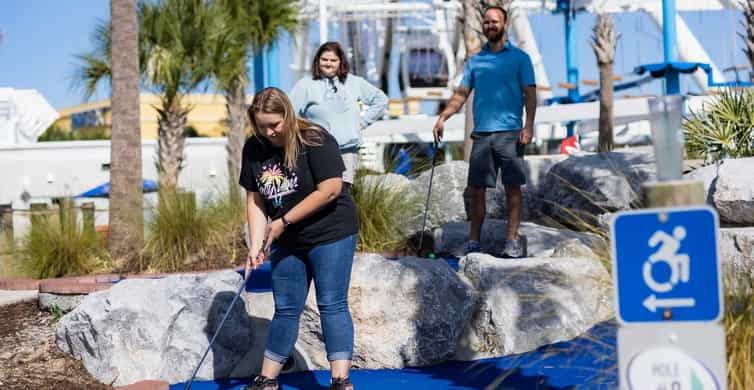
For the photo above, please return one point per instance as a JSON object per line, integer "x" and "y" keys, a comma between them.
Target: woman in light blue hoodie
{"x": 332, "y": 98}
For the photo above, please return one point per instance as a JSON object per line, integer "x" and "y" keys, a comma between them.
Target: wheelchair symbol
{"x": 667, "y": 253}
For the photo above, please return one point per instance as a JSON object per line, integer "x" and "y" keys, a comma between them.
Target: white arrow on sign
{"x": 652, "y": 303}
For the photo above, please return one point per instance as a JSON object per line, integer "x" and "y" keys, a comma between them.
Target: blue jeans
{"x": 292, "y": 271}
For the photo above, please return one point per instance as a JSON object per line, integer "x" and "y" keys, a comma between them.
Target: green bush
{"x": 58, "y": 245}
{"x": 92, "y": 133}
{"x": 382, "y": 211}
{"x": 738, "y": 322}
{"x": 182, "y": 236}
{"x": 55, "y": 133}
{"x": 724, "y": 129}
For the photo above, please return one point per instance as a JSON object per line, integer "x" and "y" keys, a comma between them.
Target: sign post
{"x": 669, "y": 299}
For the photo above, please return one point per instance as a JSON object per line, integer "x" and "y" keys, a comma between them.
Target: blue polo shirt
{"x": 498, "y": 80}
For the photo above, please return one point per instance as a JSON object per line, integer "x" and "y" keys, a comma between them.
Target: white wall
{"x": 51, "y": 169}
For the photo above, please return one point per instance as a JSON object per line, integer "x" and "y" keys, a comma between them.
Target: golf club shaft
{"x": 212, "y": 340}
{"x": 426, "y": 204}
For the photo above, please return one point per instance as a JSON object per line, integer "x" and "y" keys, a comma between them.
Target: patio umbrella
{"x": 103, "y": 190}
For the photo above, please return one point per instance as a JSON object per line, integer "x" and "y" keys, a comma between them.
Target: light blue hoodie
{"x": 335, "y": 106}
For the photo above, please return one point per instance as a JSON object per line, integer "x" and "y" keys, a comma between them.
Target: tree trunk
{"x": 386, "y": 54}
{"x": 125, "y": 232}
{"x": 473, "y": 38}
{"x": 235, "y": 99}
{"x": 170, "y": 142}
{"x": 604, "y": 41}
{"x": 354, "y": 38}
{"x": 606, "y": 109}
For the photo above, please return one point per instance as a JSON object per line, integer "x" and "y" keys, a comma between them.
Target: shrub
{"x": 91, "y": 133}
{"x": 382, "y": 211}
{"x": 738, "y": 322}
{"x": 182, "y": 236}
{"x": 58, "y": 245}
{"x": 55, "y": 133}
{"x": 724, "y": 129}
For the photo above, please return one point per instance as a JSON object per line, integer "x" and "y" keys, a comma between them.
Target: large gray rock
{"x": 446, "y": 200}
{"x": 528, "y": 303}
{"x": 737, "y": 257}
{"x": 536, "y": 171}
{"x": 452, "y": 238}
{"x": 59, "y": 302}
{"x": 730, "y": 189}
{"x": 408, "y": 312}
{"x": 388, "y": 180}
{"x": 578, "y": 189}
{"x": 158, "y": 328}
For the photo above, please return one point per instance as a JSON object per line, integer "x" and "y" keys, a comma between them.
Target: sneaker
{"x": 262, "y": 383}
{"x": 473, "y": 247}
{"x": 515, "y": 249}
{"x": 341, "y": 384}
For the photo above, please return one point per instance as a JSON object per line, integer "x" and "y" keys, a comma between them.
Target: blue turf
{"x": 587, "y": 362}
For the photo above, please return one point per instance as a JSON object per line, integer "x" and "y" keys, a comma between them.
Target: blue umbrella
{"x": 103, "y": 190}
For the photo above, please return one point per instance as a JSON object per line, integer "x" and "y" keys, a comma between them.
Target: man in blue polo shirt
{"x": 502, "y": 77}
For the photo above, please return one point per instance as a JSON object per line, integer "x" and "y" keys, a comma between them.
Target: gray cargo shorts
{"x": 495, "y": 151}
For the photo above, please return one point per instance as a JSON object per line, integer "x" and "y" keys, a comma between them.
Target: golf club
{"x": 426, "y": 204}
{"x": 214, "y": 336}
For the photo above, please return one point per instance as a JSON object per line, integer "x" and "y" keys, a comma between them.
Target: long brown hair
{"x": 334, "y": 47}
{"x": 299, "y": 132}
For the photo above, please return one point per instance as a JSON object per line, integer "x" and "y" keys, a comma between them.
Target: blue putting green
{"x": 587, "y": 362}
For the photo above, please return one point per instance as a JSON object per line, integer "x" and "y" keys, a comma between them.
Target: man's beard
{"x": 495, "y": 36}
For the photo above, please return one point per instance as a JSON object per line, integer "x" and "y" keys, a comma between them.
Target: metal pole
{"x": 571, "y": 54}
{"x": 273, "y": 65}
{"x": 670, "y": 46}
{"x": 322, "y": 21}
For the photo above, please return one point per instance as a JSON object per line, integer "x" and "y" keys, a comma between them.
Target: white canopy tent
{"x": 24, "y": 115}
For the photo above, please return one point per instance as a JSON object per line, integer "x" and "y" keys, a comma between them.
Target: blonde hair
{"x": 299, "y": 132}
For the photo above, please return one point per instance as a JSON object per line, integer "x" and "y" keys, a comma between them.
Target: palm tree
{"x": 126, "y": 233}
{"x": 175, "y": 43}
{"x": 246, "y": 25}
{"x": 172, "y": 52}
{"x": 748, "y": 24}
{"x": 604, "y": 41}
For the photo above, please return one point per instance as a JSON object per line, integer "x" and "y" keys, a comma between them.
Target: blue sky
{"x": 41, "y": 37}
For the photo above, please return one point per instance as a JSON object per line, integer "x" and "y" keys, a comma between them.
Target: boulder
{"x": 406, "y": 312}
{"x": 452, "y": 238}
{"x": 737, "y": 257}
{"x": 446, "y": 201}
{"x": 730, "y": 189}
{"x": 59, "y": 302}
{"x": 578, "y": 189}
{"x": 158, "y": 329}
{"x": 528, "y": 303}
{"x": 537, "y": 168}
{"x": 389, "y": 180}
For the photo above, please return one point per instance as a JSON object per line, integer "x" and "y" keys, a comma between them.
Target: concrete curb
{"x": 146, "y": 385}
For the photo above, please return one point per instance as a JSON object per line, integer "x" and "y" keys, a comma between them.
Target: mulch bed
{"x": 29, "y": 358}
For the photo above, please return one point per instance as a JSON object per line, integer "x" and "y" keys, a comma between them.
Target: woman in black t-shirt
{"x": 292, "y": 172}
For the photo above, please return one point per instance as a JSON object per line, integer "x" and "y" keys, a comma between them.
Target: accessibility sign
{"x": 665, "y": 265}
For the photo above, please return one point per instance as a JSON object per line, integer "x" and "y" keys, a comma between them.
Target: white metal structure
{"x": 438, "y": 19}
{"x": 24, "y": 115}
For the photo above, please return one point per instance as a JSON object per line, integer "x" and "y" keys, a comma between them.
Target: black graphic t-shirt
{"x": 263, "y": 170}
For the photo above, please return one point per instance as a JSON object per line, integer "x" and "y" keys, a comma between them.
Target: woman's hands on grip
{"x": 258, "y": 253}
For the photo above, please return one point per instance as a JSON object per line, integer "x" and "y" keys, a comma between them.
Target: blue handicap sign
{"x": 665, "y": 265}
